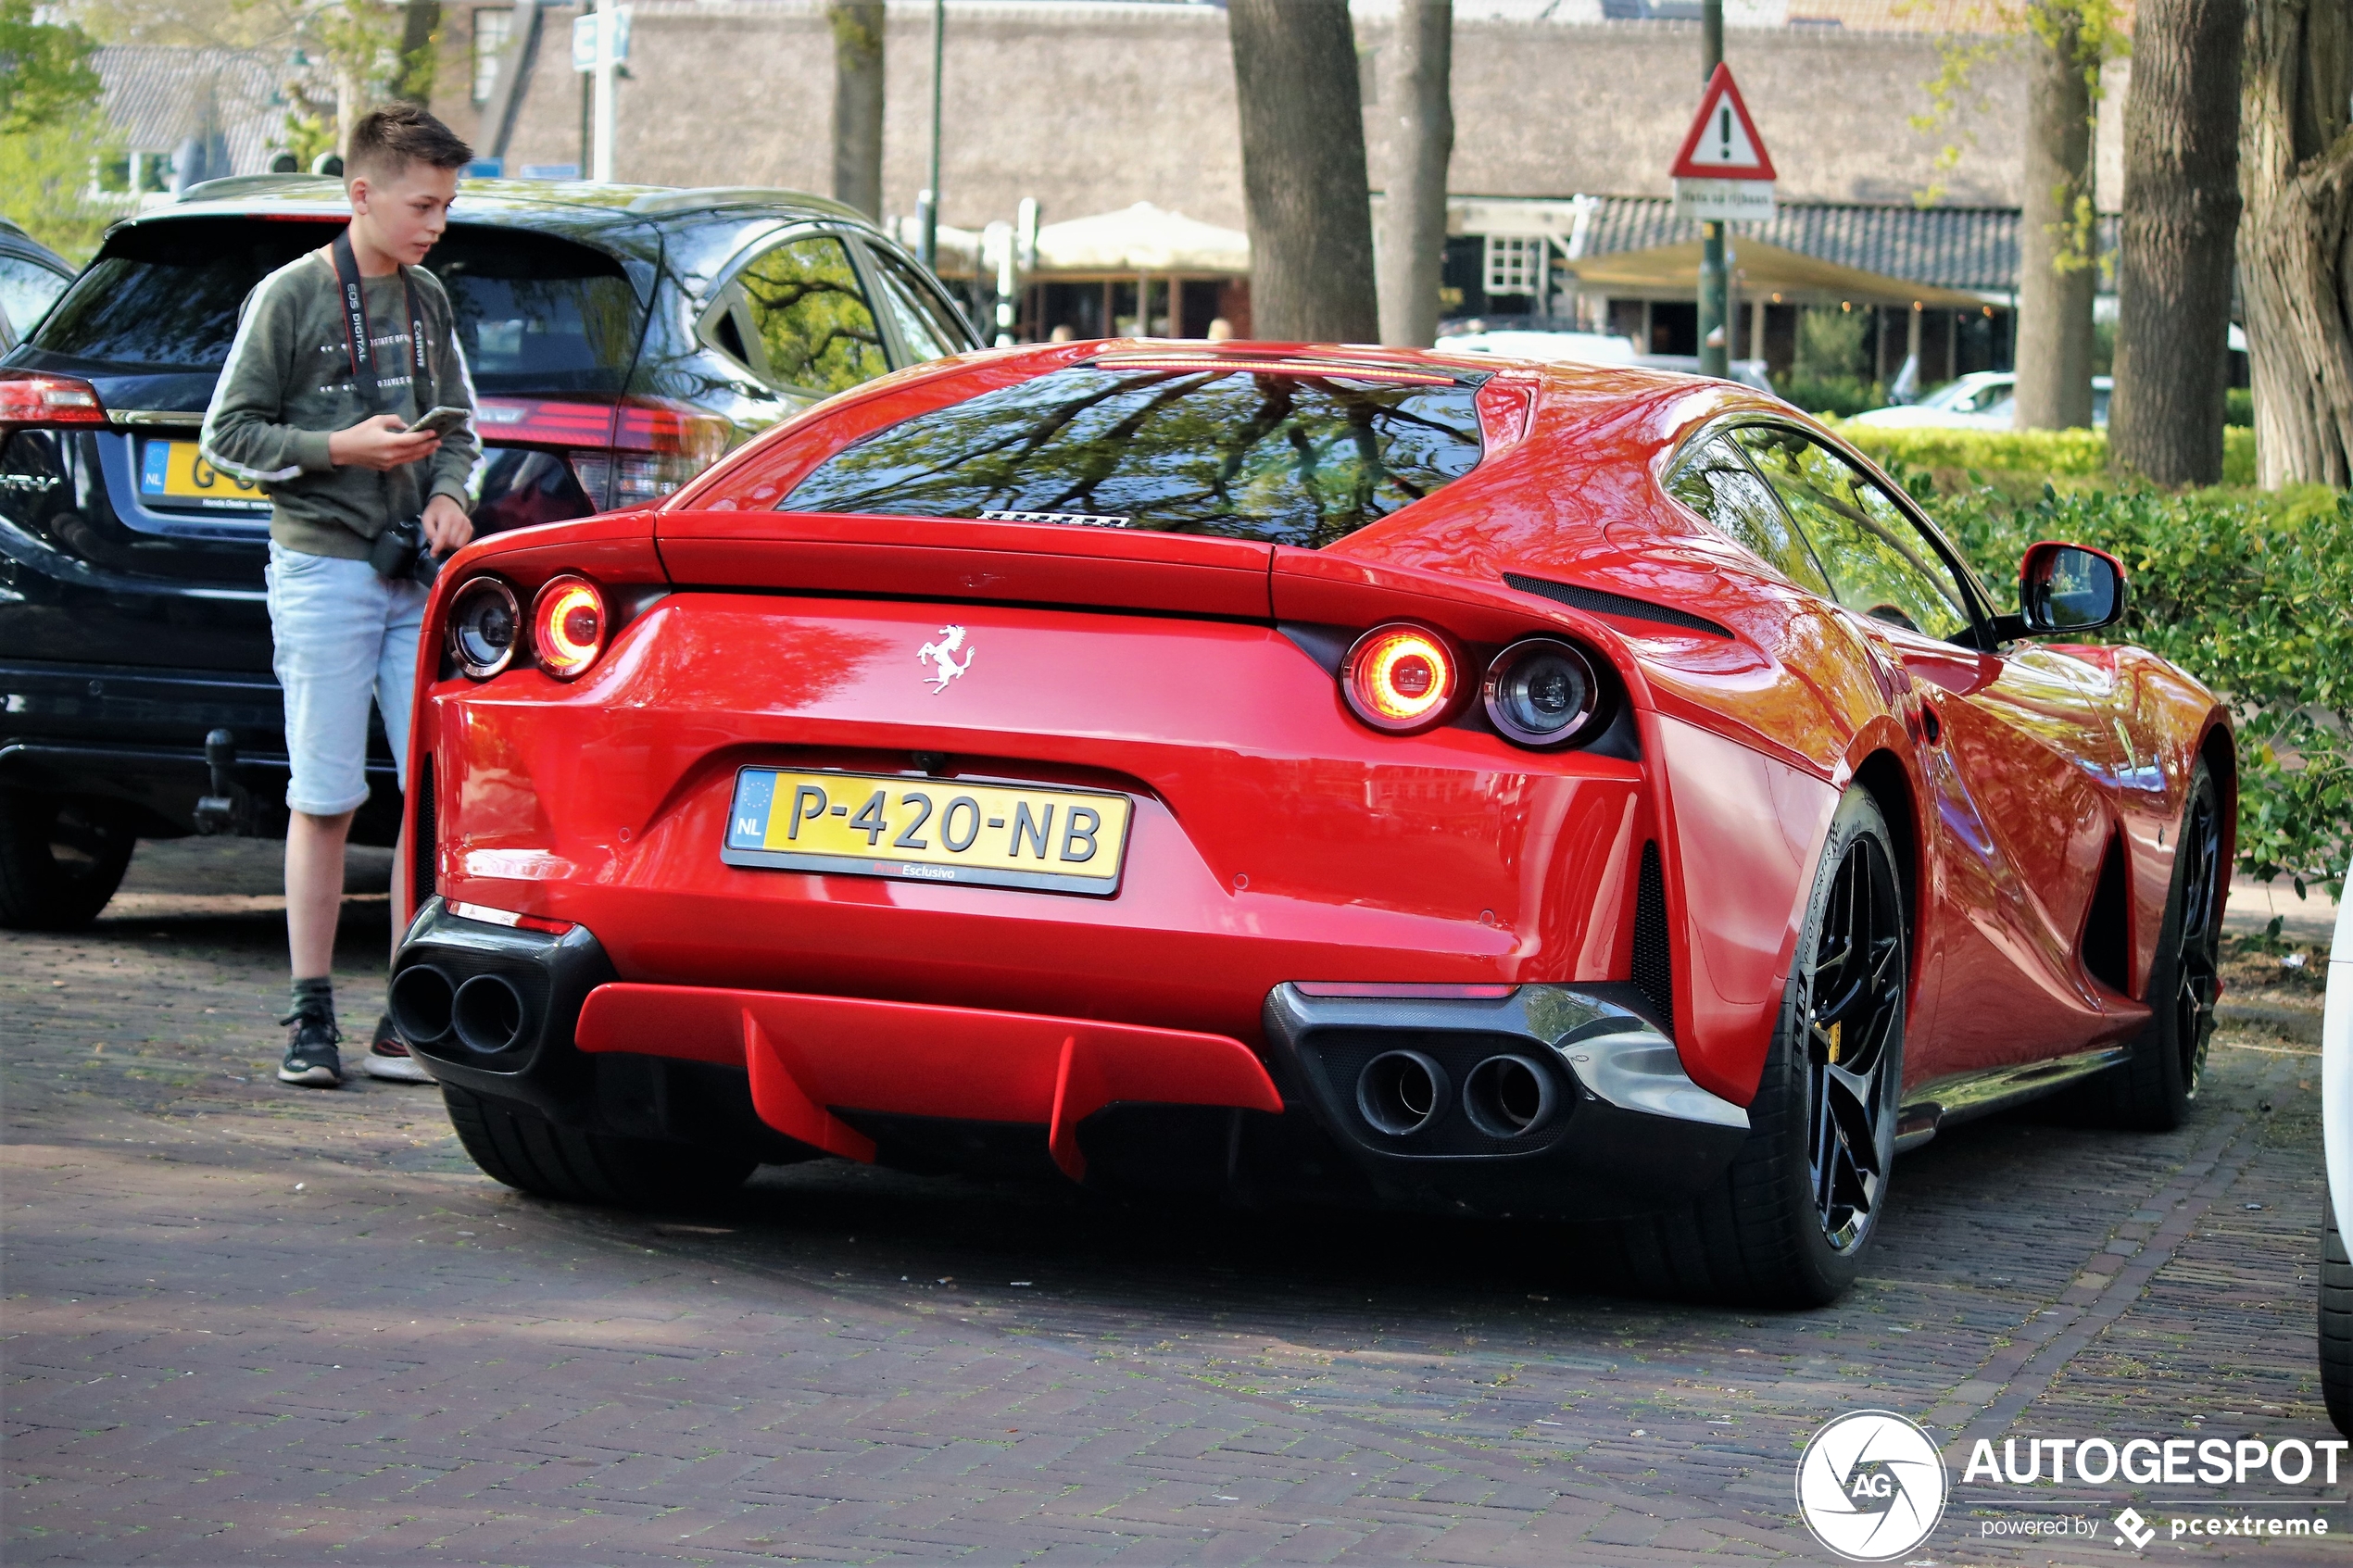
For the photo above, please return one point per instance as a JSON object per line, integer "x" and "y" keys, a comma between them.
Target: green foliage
{"x": 1830, "y": 343}
{"x": 1833, "y": 396}
{"x": 2246, "y": 592}
{"x": 45, "y": 76}
{"x": 43, "y": 175}
{"x": 2238, "y": 406}
{"x": 2037, "y": 456}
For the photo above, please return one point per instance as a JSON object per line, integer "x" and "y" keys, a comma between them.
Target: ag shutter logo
{"x": 1870, "y": 1485}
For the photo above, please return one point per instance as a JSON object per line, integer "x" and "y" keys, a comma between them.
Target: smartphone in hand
{"x": 439, "y": 421}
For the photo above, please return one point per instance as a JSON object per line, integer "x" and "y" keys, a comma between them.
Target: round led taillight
{"x": 1541, "y": 692}
{"x": 483, "y": 623}
{"x": 567, "y": 626}
{"x": 1400, "y": 678}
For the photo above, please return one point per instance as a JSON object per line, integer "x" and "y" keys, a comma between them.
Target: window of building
{"x": 1515, "y": 263}
{"x": 493, "y": 25}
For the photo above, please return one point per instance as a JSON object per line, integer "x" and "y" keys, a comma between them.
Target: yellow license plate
{"x": 927, "y": 830}
{"x": 175, "y": 470}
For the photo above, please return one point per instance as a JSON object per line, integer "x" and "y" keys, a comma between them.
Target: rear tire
{"x": 61, "y": 860}
{"x": 1787, "y": 1224}
{"x": 519, "y": 1146}
{"x": 2337, "y": 1323}
{"x": 2153, "y": 1089}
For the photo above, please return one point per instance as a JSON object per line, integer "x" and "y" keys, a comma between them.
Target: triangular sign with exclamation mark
{"x": 1722, "y": 142}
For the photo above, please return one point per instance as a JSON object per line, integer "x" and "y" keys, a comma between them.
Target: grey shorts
{"x": 340, "y": 636}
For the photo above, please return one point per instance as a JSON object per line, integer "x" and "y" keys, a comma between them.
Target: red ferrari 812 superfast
{"x": 1303, "y": 773}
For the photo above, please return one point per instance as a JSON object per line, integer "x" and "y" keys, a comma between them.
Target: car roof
{"x": 577, "y": 204}
{"x": 14, "y": 241}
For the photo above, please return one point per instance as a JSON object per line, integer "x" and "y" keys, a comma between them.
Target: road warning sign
{"x": 1723, "y": 173}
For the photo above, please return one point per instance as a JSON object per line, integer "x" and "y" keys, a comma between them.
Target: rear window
{"x": 1288, "y": 458}
{"x": 534, "y": 313}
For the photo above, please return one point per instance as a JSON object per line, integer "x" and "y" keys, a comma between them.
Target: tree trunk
{"x": 1303, "y": 124}
{"x": 2295, "y": 261}
{"x": 1420, "y": 107}
{"x": 2181, "y": 217}
{"x": 420, "y": 30}
{"x": 2056, "y": 269}
{"x": 857, "y": 103}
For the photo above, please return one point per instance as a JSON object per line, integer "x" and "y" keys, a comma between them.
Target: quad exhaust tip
{"x": 488, "y": 1014}
{"x": 1403, "y": 1092}
{"x": 1509, "y": 1097}
{"x": 420, "y": 1004}
{"x": 1400, "y": 1092}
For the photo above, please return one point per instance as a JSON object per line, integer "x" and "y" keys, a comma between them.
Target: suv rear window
{"x": 534, "y": 313}
{"x": 1281, "y": 456}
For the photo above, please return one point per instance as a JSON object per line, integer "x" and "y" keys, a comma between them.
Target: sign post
{"x": 1722, "y": 174}
{"x": 599, "y": 45}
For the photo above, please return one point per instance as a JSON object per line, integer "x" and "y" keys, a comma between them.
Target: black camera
{"x": 399, "y": 553}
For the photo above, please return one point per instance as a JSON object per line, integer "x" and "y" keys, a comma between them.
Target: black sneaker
{"x": 311, "y": 1058}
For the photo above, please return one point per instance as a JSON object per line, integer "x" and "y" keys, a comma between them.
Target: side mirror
{"x": 2067, "y": 588}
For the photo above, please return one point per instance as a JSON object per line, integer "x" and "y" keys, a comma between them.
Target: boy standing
{"x": 334, "y": 356}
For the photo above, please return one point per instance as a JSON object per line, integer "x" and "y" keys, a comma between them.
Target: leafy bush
{"x": 2238, "y": 406}
{"x": 2250, "y": 594}
{"x": 2033, "y": 455}
{"x": 1833, "y": 396}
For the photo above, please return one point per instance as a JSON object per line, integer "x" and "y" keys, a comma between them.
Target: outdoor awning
{"x": 1761, "y": 268}
{"x": 1142, "y": 238}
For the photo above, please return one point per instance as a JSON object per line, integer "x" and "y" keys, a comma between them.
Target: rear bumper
{"x": 541, "y": 1019}
{"x": 135, "y": 736}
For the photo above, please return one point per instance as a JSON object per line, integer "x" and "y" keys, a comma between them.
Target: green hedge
{"x": 2253, "y": 593}
{"x": 2034, "y": 453}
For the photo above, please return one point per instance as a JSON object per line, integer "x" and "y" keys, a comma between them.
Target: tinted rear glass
{"x": 1292, "y": 459}
{"x": 534, "y": 313}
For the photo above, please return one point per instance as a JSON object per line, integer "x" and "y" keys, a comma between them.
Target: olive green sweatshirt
{"x": 288, "y": 385}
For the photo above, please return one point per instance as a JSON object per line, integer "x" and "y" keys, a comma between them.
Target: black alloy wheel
{"x": 1787, "y": 1224}
{"x": 2198, "y": 967}
{"x": 1852, "y": 1001}
{"x": 2154, "y": 1089}
{"x": 61, "y": 860}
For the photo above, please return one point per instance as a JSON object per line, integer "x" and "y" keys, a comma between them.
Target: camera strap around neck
{"x": 355, "y": 329}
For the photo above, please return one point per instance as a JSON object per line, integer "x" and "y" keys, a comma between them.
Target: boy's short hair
{"x": 387, "y": 139}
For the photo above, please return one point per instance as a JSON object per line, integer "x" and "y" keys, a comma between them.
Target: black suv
{"x": 619, "y": 339}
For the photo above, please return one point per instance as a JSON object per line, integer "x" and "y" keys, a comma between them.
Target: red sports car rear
{"x": 1317, "y": 775}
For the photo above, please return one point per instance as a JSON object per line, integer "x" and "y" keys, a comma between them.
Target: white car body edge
{"x": 2337, "y": 1064}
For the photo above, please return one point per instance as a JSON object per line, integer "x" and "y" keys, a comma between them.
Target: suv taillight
{"x": 34, "y": 398}
{"x": 624, "y": 455}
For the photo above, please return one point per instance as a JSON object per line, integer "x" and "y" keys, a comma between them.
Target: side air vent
{"x": 421, "y": 876}
{"x": 2107, "y": 924}
{"x": 1597, "y": 601}
{"x": 1654, "y": 953}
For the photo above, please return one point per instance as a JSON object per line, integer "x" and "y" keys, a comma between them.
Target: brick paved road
{"x": 247, "y": 1324}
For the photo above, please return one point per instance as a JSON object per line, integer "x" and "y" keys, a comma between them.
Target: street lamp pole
{"x": 1715, "y": 278}
{"x": 931, "y": 208}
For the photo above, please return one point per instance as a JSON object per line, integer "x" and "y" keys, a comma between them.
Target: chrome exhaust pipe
{"x": 1509, "y": 1097}
{"x": 1400, "y": 1092}
{"x": 420, "y": 1004}
{"x": 488, "y": 1013}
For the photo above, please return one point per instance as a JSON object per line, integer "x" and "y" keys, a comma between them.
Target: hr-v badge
{"x": 1870, "y": 1485}
{"x": 941, "y": 656}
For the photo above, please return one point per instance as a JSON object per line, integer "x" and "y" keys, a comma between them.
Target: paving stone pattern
{"x": 248, "y": 1324}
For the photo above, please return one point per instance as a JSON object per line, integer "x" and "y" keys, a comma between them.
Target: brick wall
{"x": 1091, "y": 108}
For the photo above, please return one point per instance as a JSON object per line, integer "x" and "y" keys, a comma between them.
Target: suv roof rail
{"x": 743, "y": 195}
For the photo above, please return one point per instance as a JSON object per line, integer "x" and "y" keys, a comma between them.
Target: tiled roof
{"x": 1973, "y": 249}
{"x": 157, "y": 95}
